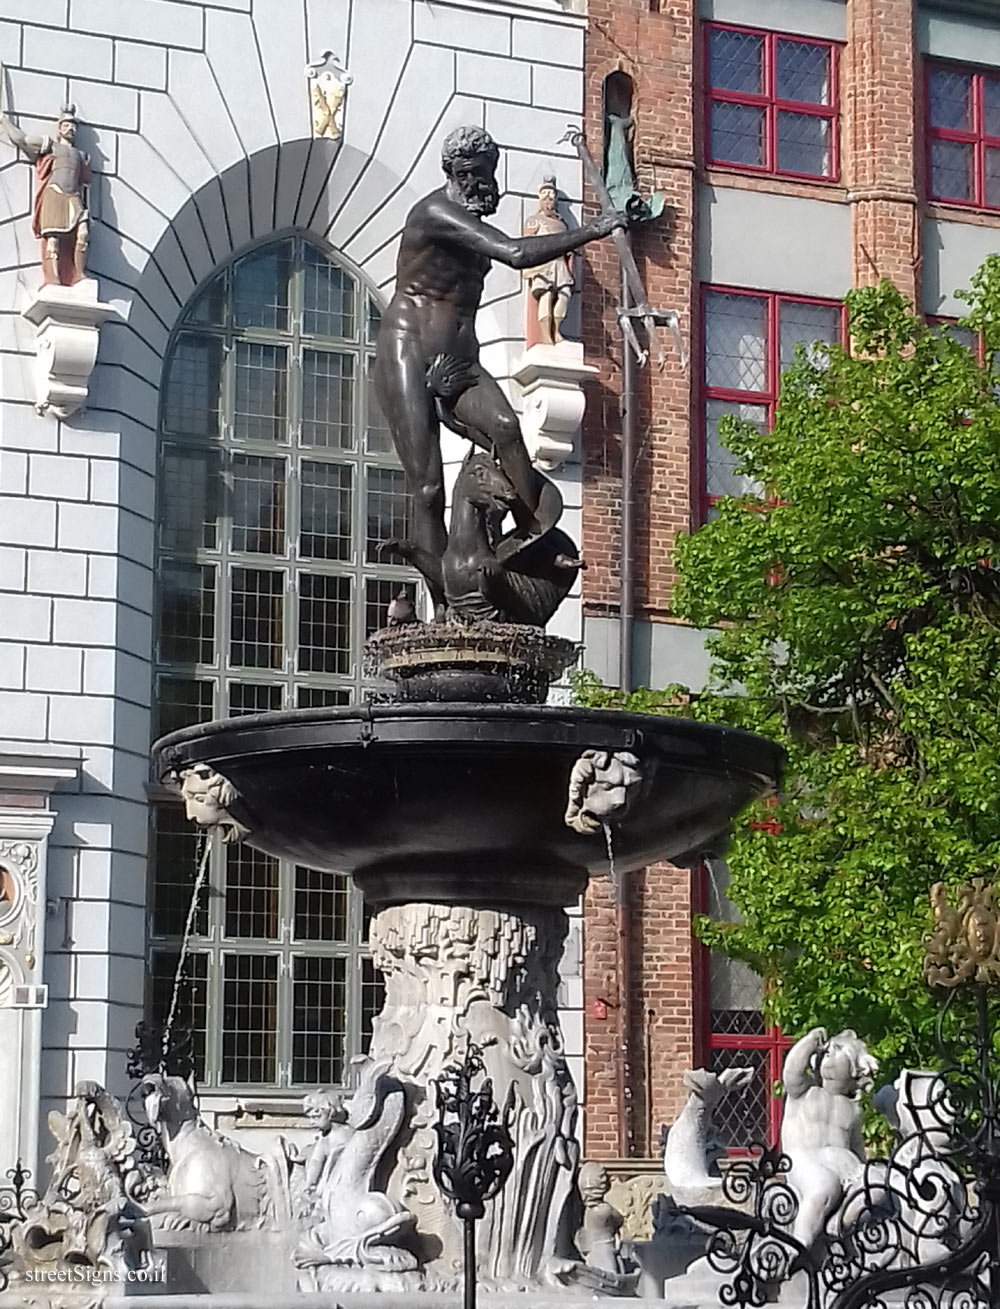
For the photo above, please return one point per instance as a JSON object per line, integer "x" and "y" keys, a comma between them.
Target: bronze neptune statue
{"x": 427, "y": 369}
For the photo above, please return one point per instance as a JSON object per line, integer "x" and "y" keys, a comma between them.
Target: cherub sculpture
{"x": 821, "y": 1128}
{"x": 325, "y": 1110}
{"x": 598, "y": 1237}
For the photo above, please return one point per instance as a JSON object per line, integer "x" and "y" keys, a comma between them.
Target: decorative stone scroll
{"x": 67, "y": 321}
{"x": 551, "y": 379}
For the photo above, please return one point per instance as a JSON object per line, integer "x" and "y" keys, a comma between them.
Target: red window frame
{"x": 765, "y": 399}
{"x": 772, "y": 104}
{"x": 776, "y": 1045}
{"x": 977, "y": 343}
{"x": 978, "y": 137}
{"x": 772, "y": 1040}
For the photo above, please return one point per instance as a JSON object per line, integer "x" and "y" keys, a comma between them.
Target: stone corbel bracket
{"x": 551, "y": 379}
{"x": 67, "y": 322}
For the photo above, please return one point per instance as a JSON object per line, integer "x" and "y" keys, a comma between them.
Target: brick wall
{"x": 882, "y": 109}
{"x": 656, "y": 49}
{"x": 882, "y": 182}
{"x": 655, "y": 46}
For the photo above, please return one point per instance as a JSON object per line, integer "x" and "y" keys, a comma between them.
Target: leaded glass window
{"x": 738, "y": 1036}
{"x": 277, "y": 486}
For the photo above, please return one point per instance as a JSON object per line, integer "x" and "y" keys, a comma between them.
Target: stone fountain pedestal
{"x": 459, "y": 973}
{"x": 470, "y": 825}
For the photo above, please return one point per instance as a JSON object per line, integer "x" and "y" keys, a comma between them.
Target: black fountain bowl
{"x": 465, "y": 803}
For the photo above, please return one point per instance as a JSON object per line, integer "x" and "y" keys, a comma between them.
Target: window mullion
{"x": 215, "y": 1003}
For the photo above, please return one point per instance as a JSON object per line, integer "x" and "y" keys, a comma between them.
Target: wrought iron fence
{"x": 17, "y": 1197}
{"x": 919, "y": 1229}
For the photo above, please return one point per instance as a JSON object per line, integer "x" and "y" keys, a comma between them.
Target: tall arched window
{"x": 277, "y": 484}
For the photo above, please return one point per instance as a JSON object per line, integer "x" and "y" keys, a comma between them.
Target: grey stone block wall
{"x": 197, "y": 120}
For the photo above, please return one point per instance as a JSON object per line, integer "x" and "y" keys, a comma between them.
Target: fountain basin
{"x": 464, "y": 803}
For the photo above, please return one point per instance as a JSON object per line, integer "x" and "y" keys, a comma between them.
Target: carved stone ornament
{"x": 19, "y": 925}
{"x": 208, "y": 798}
{"x": 455, "y": 974}
{"x": 328, "y": 83}
{"x": 551, "y": 379}
{"x": 67, "y": 321}
{"x": 964, "y": 944}
{"x": 91, "y": 1214}
{"x": 602, "y": 786}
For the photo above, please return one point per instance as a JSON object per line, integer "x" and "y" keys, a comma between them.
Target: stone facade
{"x": 197, "y": 120}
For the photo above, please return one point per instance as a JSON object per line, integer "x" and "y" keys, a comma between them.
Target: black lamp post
{"x": 475, "y": 1153}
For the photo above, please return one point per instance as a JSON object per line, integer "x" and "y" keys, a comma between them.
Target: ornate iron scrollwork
{"x": 17, "y": 1198}
{"x": 475, "y": 1152}
{"x": 155, "y": 1051}
{"x": 751, "y": 1243}
{"x": 921, "y": 1228}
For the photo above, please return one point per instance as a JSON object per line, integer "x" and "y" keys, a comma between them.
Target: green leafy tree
{"x": 856, "y": 602}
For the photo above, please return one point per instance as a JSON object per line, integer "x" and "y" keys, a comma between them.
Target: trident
{"x": 638, "y": 308}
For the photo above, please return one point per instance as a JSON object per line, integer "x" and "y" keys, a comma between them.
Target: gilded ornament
{"x": 964, "y": 943}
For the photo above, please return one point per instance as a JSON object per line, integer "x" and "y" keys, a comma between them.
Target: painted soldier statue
{"x": 550, "y": 285}
{"x": 427, "y": 369}
{"x": 59, "y": 219}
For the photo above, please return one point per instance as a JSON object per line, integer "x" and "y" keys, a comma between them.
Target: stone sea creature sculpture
{"x": 602, "y": 786}
{"x": 690, "y": 1157}
{"x": 90, "y": 1214}
{"x": 486, "y": 576}
{"x": 212, "y": 1184}
{"x": 351, "y": 1223}
{"x": 821, "y": 1127}
{"x": 208, "y": 798}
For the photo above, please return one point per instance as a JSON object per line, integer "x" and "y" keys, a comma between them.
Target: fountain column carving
{"x": 454, "y": 973}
